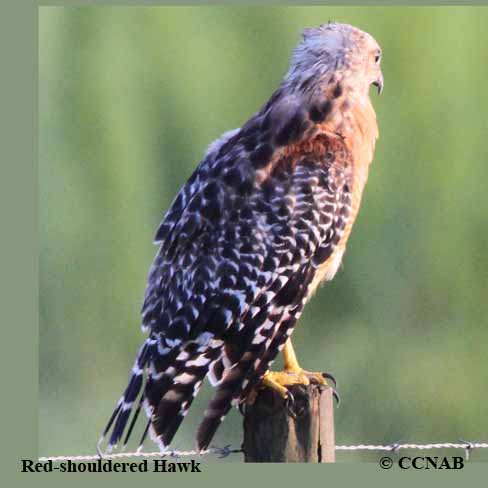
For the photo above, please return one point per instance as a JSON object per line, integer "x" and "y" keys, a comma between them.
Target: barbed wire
{"x": 467, "y": 446}
{"x": 221, "y": 452}
{"x": 225, "y": 451}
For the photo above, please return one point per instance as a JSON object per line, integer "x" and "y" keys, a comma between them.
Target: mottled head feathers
{"x": 338, "y": 50}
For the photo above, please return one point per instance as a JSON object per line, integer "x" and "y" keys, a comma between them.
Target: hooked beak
{"x": 378, "y": 83}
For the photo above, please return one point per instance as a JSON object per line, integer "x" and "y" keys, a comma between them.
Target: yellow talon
{"x": 275, "y": 381}
{"x": 292, "y": 374}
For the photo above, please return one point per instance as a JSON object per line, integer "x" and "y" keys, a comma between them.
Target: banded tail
{"x": 174, "y": 377}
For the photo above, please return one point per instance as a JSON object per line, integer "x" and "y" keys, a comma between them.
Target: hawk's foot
{"x": 279, "y": 380}
{"x": 292, "y": 374}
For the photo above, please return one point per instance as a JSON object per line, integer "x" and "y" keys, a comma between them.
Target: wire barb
{"x": 467, "y": 448}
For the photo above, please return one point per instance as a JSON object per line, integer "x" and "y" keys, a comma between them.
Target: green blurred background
{"x": 130, "y": 97}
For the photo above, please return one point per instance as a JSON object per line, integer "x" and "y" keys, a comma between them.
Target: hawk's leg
{"x": 292, "y": 374}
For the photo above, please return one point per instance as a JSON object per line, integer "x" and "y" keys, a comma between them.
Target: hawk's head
{"x": 336, "y": 50}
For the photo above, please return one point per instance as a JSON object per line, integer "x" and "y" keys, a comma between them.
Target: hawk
{"x": 262, "y": 221}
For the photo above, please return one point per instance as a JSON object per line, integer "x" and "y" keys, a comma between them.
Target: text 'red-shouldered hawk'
{"x": 261, "y": 222}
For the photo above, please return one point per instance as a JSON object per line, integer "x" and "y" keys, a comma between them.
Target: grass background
{"x": 130, "y": 97}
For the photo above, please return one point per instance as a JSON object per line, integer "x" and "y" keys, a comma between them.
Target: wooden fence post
{"x": 274, "y": 432}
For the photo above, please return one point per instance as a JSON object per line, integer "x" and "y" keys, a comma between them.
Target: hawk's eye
{"x": 377, "y": 57}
